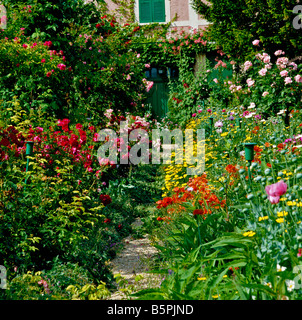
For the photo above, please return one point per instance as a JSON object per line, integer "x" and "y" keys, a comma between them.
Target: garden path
{"x": 135, "y": 259}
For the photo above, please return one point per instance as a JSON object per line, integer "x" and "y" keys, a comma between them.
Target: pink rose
{"x": 274, "y": 191}
{"x": 283, "y": 73}
{"x": 250, "y": 82}
{"x": 298, "y": 78}
{"x": 256, "y": 42}
{"x": 247, "y": 65}
{"x": 279, "y": 53}
{"x": 263, "y": 72}
{"x": 288, "y": 80}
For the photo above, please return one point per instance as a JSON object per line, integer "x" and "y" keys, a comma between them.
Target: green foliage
{"x": 235, "y": 24}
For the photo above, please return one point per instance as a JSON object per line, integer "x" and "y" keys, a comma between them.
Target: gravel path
{"x": 135, "y": 259}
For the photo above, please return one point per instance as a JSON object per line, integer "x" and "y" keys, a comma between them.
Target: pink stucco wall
{"x": 111, "y": 6}
{"x": 179, "y": 8}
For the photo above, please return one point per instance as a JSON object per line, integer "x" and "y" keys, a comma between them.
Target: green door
{"x": 159, "y": 94}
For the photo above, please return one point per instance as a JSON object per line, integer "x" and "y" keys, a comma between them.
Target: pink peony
{"x": 274, "y": 191}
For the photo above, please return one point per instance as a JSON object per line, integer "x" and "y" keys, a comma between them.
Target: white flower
{"x": 268, "y": 284}
{"x": 282, "y": 111}
{"x": 280, "y": 268}
{"x": 250, "y": 115}
{"x": 218, "y": 124}
{"x": 252, "y": 105}
{"x": 290, "y": 285}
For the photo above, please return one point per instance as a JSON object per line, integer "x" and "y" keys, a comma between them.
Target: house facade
{"x": 180, "y": 12}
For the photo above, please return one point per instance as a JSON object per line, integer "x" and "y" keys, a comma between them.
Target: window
{"x": 152, "y": 11}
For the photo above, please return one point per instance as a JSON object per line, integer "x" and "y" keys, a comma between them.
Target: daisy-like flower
{"x": 280, "y": 268}
{"x": 290, "y": 284}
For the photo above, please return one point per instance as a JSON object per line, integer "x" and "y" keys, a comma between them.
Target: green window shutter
{"x": 159, "y": 14}
{"x": 145, "y": 11}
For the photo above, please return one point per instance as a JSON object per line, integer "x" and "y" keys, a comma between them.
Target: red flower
{"x": 107, "y": 220}
{"x": 4, "y": 142}
{"x": 105, "y": 199}
{"x": 48, "y": 43}
{"x": 230, "y": 168}
{"x": 199, "y": 211}
{"x": 257, "y": 149}
{"x": 64, "y": 124}
{"x": 61, "y": 66}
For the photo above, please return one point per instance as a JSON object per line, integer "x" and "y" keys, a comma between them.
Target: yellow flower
{"x": 224, "y": 134}
{"x": 263, "y": 218}
{"x": 202, "y": 278}
{"x": 249, "y": 234}
{"x": 280, "y": 220}
{"x": 282, "y": 214}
